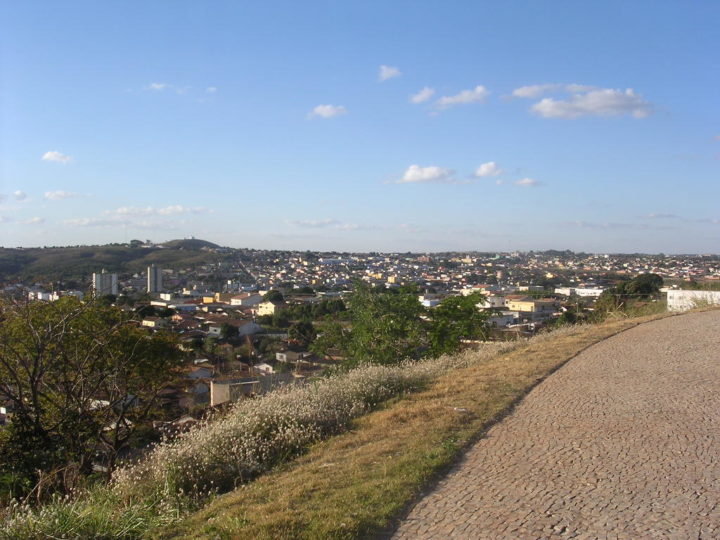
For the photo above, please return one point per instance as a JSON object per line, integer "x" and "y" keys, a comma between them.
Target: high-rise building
{"x": 104, "y": 283}
{"x": 154, "y": 279}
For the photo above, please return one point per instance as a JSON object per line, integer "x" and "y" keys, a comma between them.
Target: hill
{"x": 190, "y": 243}
{"x": 78, "y": 262}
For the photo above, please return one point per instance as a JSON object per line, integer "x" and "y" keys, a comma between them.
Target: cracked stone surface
{"x": 623, "y": 442}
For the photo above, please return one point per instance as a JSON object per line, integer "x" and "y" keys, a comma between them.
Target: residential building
{"x": 154, "y": 279}
{"x": 104, "y": 283}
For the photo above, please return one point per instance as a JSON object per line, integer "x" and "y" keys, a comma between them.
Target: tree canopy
{"x": 78, "y": 378}
{"x": 388, "y": 326}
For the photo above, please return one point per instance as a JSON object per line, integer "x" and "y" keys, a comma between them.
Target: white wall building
{"x": 104, "y": 283}
{"x": 154, "y": 279}
{"x": 683, "y": 300}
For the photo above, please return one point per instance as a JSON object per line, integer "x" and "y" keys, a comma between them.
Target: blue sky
{"x": 366, "y": 126}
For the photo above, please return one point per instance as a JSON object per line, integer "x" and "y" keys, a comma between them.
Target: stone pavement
{"x": 623, "y": 442}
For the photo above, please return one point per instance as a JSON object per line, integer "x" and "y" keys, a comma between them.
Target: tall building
{"x": 104, "y": 283}
{"x": 154, "y": 279}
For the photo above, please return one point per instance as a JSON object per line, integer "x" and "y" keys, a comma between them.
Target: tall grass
{"x": 251, "y": 438}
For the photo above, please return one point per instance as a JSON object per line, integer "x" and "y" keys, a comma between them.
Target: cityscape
{"x": 375, "y": 270}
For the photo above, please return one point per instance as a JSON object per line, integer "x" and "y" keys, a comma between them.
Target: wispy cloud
{"x": 388, "y": 72}
{"x": 327, "y": 111}
{"x": 211, "y": 90}
{"x": 57, "y": 157}
{"x": 59, "y": 195}
{"x": 32, "y": 221}
{"x": 475, "y": 95}
{"x": 415, "y": 174}
{"x": 488, "y": 169}
{"x": 661, "y": 216}
{"x": 527, "y": 182}
{"x": 601, "y": 102}
{"x": 118, "y": 221}
{"x": 158, "y": 87}
{"x": 328, "y": 223}
{"x": 537, "y": 90}
{"x": 422, "y": 96}
{"x": 165, "y": 211}
{"x": 613, "y": 225}
{"x": 19, "y": 195}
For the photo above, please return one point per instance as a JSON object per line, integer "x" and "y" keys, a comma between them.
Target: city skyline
{"x": 373, "y": 127}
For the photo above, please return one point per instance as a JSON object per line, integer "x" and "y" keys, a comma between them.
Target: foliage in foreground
{"x": 253, "y": 437}
{"x": 80, "y": 378}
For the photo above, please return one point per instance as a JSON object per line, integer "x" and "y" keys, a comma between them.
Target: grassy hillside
{"x": 55, "y": 263}
{"x": 357, "y": 484}
{"x": 315, "y": 461}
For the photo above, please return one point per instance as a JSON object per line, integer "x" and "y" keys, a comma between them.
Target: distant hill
{"x": 78, "y": 262}
{"x": 192, "y": 243}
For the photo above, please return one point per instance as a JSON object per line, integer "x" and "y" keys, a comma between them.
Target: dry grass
{"x": 356, "y": 484}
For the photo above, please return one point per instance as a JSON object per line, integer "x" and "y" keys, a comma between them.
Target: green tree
{"x": 228, "y": 331}
{"x": 303, "y": 332}
{"x": 386, "y": 326}
{"x": 273, "y": 295}
{"x": 80, "y": 378}
{"x": 455, "y": 319}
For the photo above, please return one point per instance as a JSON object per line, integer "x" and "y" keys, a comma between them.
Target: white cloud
{"x": 476, "y": 95}
{"x": 488, "y": 169}
{"x": 116, "y": 221}
{"x": 19, "y": 195}
{"x": 150, "y": 211}
{"x": 315, "y": 223}
{"x": 602, "y": 102}
{"x": 32, "y": 221}
{"x": 527, "y": 182}
{"x": 416, "y": 174}
{"x": 536, "y": 90}
{"x": 93, "y": 222}
{"x": 211, "y": 90}
{"x": 59, "y": 195}
{"x": 157, "y": 87}
{"x": 657, "y": 215}
{"x": 58, "y": 157}
{"x": 388, "y": 72}
{"x": 179, "y": 209}
{"x": 328, "y": 111}
{"x": 423, "y": 95}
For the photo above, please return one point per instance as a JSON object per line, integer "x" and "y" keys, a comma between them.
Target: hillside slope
{"x": 40, "y": 264}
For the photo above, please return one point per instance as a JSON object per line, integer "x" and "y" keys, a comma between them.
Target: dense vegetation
{"x": 387, "y": 326}
{"x": 81, "y": 379}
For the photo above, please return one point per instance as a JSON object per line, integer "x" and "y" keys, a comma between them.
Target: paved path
{"x": 623, "y": 442}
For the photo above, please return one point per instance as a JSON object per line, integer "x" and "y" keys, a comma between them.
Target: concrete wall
{"x": 684, "y": 300}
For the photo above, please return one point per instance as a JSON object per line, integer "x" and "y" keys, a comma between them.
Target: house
{"x": 155, "y": 322}
{"x": 227, "y": 390}
{"x": 492, "y": 302}
{"x": 246, "y": 299}
{"x": 269, "y": 308}
{"x": 532, "y": 308}
{"x": 264, "y": 368}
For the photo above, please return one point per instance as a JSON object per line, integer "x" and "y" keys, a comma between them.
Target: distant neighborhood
{"x": 240, "y": 322}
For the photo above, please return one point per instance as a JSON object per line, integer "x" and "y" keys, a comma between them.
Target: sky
{"x": 362, "y": 126}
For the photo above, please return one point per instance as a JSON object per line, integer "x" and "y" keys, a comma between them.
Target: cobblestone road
{"x": 623, "y": 442}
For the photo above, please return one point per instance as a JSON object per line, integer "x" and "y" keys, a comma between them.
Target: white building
{"x": 154, "y": 279}
{"x": 104, "y": 283}
{"x": 683, "y": 300}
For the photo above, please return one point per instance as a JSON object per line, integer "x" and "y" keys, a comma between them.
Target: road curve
{"x": 623, "y": 442}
